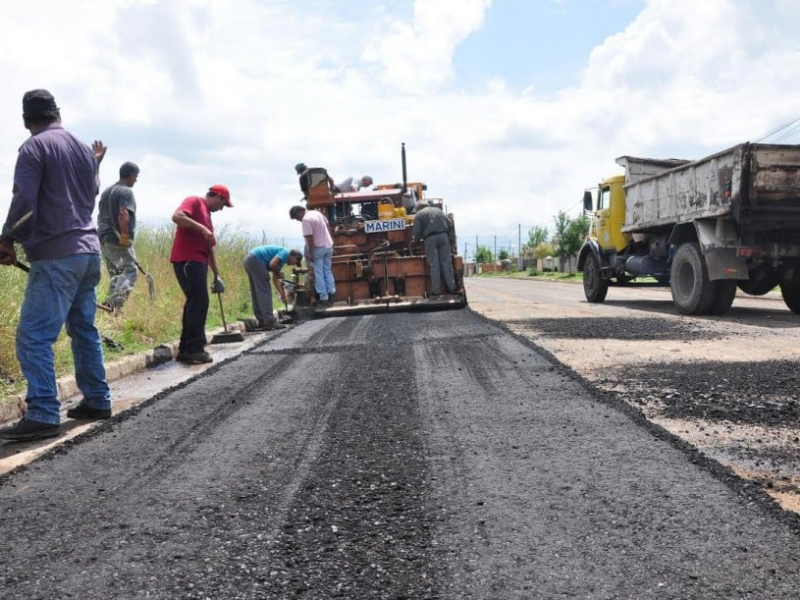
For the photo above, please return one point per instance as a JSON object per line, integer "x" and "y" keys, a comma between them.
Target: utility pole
{"x": 495, "y": 247}
{"x": 519, "y": 246}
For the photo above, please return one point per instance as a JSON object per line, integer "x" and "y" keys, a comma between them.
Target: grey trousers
{"x": 122, "y": 272}
{"x": 437, "y": 251}
{"x": 260, "y": 291}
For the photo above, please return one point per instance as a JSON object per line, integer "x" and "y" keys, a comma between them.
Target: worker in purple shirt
{"x": 55, "y": 179}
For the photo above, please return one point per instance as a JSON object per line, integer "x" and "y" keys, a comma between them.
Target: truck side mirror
{"x": 587, "y": 201}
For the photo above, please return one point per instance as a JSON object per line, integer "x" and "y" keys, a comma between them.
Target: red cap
{"x": 222, "y": 192}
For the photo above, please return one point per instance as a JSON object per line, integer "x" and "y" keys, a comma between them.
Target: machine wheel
{"x": 724, "y": 293}
{"x": 594, "y": 286}
{"x": 791, "y": 295}
{"x": 692, "y": 291}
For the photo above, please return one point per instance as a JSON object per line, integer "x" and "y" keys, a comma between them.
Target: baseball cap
{"x": 222, "y": 192}
{"x": 300, "y": 167}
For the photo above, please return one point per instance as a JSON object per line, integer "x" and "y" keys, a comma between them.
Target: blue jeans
{"x": 323, "y": 274}
{"x": 61, "y": 292}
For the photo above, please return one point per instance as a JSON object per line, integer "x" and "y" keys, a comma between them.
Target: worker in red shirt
{"x": 192, "y": 254}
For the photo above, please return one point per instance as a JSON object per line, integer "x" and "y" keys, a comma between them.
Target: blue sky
{"x": 509, "y": 109}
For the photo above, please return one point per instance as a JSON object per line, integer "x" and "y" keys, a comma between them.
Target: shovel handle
{"x": 222, "y": 312}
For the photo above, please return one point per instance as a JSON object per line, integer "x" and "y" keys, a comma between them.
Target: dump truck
{"x": 376, "y": 267}
{"x": 705, "y": 228}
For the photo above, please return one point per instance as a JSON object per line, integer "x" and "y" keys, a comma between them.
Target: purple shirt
{"x": 55, "y": 177}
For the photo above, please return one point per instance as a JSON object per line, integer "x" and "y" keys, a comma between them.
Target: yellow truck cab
{"x": 606, "y": 227}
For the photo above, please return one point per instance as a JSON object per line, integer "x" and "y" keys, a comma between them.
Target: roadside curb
{"x": 13, "y": 407}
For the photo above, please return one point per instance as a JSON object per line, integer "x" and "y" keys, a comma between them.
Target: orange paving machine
{"x": 376, "y": 267}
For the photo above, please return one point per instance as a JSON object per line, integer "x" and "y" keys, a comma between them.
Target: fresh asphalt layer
{"x": 423, "y": 455}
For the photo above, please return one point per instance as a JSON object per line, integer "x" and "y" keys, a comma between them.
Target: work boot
{"x": 269, "y": 326}
{"x": 89, "y": 413}
{"x": 25, "y": 430}
{"x": 194, "y": 358}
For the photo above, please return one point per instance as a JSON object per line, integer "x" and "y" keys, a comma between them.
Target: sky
{"x": 508, "y": 109}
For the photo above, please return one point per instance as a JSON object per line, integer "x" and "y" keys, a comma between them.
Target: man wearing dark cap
{"x": 55, "y": 182}
{"x": 192, "y": 254}
{"x": 300, "y": 169}
{"x": 116, "y": 226}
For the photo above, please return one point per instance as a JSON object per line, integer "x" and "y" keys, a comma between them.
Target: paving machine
{"x": 376, "y": 266}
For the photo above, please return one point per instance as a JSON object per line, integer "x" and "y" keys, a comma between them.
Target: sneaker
{"x": 194, "y": 358}
{"x": 26, "y": 430}
{"x": 84, "y": 411}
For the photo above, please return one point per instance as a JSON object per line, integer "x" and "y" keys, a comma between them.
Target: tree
{"x": 543, "y": 250}
{"x": 536, "y": 236}
{"x": 562, "y": 221}
{"x": 502, "y": 255}
{"x": 483, "y": 255}
{"x": 570, "y": 235}
{"x": 577, "y": 231}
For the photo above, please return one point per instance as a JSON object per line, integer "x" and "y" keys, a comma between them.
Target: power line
{"x": 780, "y": 128}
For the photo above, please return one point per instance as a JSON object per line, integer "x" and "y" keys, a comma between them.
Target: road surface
{"x": 427, "y": 455}
{"x": 726, "y": 385}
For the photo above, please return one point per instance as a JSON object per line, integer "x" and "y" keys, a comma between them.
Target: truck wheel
{"x": 724, "y": 293}
{"x": 594, "y": 286}
{"x": 692, "y": 291}
{"x": 791, "y": 296}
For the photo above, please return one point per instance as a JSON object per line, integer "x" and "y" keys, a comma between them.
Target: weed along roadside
{"x": 144, "y": 327}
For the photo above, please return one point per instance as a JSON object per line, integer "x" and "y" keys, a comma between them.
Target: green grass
{"x": 531, "y": 273}
{"x": 141, "y": 324}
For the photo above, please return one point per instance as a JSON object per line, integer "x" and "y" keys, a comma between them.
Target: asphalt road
{"x": 727, "y": 385}
{"x": 426, "y": 455}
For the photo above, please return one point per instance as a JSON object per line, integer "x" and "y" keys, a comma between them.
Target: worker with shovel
{"x": 259, "y": 263}
{"x": 116, "y": 226}
{"x": 192, "y": 255}
{"x": 55, "y": 182}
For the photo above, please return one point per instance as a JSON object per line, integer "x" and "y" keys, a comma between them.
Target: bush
{"x": 141, "y": 324}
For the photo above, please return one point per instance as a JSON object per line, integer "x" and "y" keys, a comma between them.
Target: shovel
{"x": 151, "y": 284}
{"x": 27, "y": 269}
{"x": 226, "y": 337}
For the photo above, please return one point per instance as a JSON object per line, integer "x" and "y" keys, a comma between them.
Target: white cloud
{"x": 236, "y": 92}
{"x": 416, "y": 56}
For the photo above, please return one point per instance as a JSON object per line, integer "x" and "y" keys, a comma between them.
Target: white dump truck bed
{"x": 758, "y": 185}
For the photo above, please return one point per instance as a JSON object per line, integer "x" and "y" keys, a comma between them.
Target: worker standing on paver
{"x": 192, "y": 255}
{"x": 431, "y": 226}
{"x": 116, "y": 226}
{"x": 55, "y": 179}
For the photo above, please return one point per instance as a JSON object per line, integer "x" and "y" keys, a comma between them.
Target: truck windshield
{"x": 603, "y": 200}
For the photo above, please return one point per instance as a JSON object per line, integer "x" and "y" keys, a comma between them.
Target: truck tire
{"x": 692, "y": 291}
{"x": 791, "y": 295}
{"x": 724, "y": 293}
{"x": 594, "y": 286}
